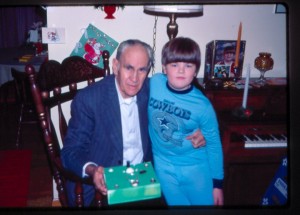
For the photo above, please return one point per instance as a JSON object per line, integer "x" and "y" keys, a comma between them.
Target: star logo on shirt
{"x": 163, "y": 122}
{"x": 166, "y": 125}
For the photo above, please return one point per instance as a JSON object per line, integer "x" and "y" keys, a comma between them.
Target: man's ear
{"x": 115, "y": 66}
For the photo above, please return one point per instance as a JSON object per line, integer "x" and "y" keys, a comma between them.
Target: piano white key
{"x": 264, "y": 143}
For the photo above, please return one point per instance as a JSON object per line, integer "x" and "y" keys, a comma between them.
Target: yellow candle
{"x": 238, "y": 45}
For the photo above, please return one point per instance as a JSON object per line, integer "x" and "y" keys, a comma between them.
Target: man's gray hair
{"x": 132, "y": 42}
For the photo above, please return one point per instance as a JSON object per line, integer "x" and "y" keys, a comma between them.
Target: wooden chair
{"x": 23, "y": 97}
{"x": 54, "y": 85}
{"x": 6, "y": 97}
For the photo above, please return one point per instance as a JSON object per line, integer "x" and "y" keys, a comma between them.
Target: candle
{"x": 238, "y": 45}
{"x": 246, "y": 88}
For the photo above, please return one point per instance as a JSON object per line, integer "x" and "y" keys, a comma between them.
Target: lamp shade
{"x": 165, "y": 10}
{"x": 174, "y": 11}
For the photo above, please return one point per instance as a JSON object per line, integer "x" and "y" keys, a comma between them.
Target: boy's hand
{"x": 197, "y": 139}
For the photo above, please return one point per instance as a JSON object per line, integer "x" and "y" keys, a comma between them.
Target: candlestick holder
{"x": 242, "y": 112}
{"x": 236, "y": 73}
{"x": 214, "y": 83}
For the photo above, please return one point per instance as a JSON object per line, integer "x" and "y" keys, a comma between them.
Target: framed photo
{"x": 220, "y": 59}
{"x": 53, "y": 35}
{"x": 280, "y": 8}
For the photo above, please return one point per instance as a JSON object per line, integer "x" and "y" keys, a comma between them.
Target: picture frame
{"x": 280, "y": 8}
{"x": 53, "y": 35}
{"x": 220, "y": 59}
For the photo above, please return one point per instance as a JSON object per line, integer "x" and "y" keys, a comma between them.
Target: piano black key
{"x": 244, "y": 138}
{"x": 251, "y": 137}
{"x": 262, "y": 136}
{"x": 272, "y": 138}
{"x": 276, "y": 136}
{"x": 279, "y": 136}
{"x": 267, "y": 137}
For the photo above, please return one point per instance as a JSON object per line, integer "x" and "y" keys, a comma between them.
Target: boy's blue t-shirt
{"x": 173, "y": 115}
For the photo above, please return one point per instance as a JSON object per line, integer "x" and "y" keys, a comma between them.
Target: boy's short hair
{"x": 181, "y": 49}
{"x": 229, "y": 49}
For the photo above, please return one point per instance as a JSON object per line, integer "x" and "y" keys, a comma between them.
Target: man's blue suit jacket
{"x": 94, "y": 130}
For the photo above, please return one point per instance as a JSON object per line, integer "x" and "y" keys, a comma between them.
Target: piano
{"x": 253, "y": 147}
{"x": 264, "y": 140}
{"x": 253, "y": 141}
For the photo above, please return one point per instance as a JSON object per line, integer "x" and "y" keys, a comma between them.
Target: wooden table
{"x": 10, "y": 58}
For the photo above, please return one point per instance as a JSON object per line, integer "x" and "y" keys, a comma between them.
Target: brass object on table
{"x": 263, "y": 63}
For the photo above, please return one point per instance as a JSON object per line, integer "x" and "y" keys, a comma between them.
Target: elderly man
{"x": 109, "y": 124}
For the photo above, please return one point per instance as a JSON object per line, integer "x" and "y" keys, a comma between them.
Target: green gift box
{"x": 131, "y": 183}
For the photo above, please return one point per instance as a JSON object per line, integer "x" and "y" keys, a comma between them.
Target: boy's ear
{"x": 163, "y": 69}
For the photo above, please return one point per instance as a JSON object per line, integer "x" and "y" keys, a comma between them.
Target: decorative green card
{"x": 131, "y": 183}
{"x": 92, "y": 44}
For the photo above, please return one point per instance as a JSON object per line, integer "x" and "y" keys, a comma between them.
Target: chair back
{"x": 21, "y": 84}
{"x": 53, "y": 86}
{"x": 24, "y": 101}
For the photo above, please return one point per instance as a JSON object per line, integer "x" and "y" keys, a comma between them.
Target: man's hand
{"x": 197, "y": 139}
{"x": 97, "y": 173}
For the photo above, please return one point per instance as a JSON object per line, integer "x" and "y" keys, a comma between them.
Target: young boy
{"x": 177, "y": 108}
